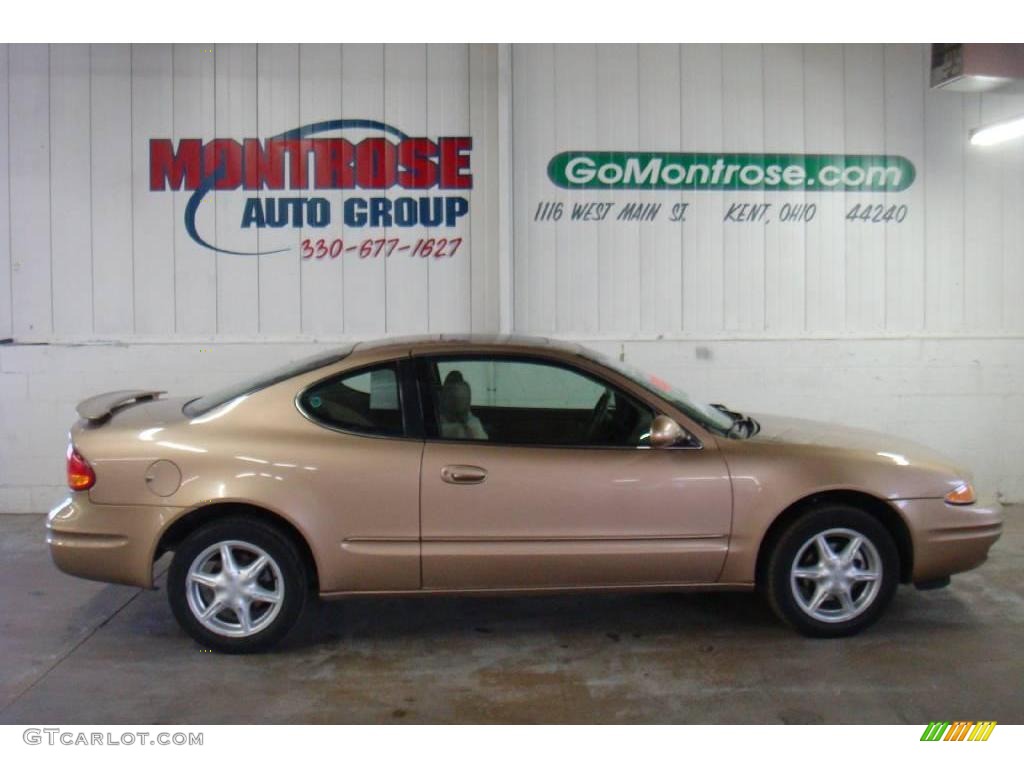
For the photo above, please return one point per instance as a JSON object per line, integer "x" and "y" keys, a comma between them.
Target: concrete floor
{"x": 73, "y": 651}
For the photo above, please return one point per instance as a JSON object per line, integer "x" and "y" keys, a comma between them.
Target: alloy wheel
{"x": 234, "y": 588}
{"x": 836, "y": 575}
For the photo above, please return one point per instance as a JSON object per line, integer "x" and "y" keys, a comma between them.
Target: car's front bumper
{"x": 949, "y": 539}
{"x": 106, "y": 542}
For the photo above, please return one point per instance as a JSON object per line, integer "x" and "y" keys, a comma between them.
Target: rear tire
{"x": 237, "y": 585}
{"x": 832, "y": 572}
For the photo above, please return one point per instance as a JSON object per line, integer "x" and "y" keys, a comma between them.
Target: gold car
{"x": 496, "y": 465}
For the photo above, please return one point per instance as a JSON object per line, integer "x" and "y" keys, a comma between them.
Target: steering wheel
{"x": 600, "y": 415}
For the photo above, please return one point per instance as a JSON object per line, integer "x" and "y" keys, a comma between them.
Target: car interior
{"x": 520, "y": 411}
{"x": 610, "y": 418}
{"x": 364, "y": 402}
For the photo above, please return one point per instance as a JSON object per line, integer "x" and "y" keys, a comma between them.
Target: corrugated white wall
{"x": 90, "y": 252}
{"x": 955, "y": 265}
{"x": 915, "y": 328}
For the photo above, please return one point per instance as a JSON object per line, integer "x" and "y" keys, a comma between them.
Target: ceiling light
{"x": 997, "y": 133}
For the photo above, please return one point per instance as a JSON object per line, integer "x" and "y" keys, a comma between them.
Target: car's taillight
{"x": 80, "y": 474}
{"x": 962, "y": 494}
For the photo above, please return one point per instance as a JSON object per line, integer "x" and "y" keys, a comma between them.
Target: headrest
{"x": 453, "y": 377}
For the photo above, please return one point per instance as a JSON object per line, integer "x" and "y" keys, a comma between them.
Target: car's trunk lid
{"x": 113, "y": 412}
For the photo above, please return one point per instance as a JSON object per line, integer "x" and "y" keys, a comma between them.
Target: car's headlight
{"x": 962, "y": 494}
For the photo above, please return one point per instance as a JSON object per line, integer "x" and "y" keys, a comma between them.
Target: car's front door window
{"x": 517, "y": 401}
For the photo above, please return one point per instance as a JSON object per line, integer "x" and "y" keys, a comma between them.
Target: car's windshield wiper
{"x": 742, "y": 426}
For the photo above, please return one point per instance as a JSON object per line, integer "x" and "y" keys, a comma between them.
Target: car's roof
{"x": 457, "y": 342}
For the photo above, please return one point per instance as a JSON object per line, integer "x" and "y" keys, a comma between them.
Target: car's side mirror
{"x": 666, "y": 433}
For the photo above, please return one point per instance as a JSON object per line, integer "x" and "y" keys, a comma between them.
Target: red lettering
{"x": 455, "y": 160}
{"x": 223, "y": 156}
{"x": 264, "y": 167}
{"x": 298, "y": 166}
{"x": 333, "y": 158}
{"x": 419, "y": 167}
{"x": 264, "y": 164}
{"x": 375, "y": 164}
{"x": 168, "y": 169}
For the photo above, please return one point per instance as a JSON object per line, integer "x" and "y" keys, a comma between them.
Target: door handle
{"x": 463, "y": 474}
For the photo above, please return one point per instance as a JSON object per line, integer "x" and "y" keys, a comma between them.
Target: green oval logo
{"x": 731, "y": 171}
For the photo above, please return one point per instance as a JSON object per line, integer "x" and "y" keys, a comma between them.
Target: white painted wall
{"x": 90, "y": 252}
{"x": 952, "y": 267}
{"x": 916, "y": 329}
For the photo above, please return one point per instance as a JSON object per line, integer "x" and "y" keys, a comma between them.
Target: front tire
{"x": 832, "y": 572}
{"x": 237, "y": 586}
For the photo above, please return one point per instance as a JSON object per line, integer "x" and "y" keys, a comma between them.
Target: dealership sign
{"x": 303, "y": 162}
{"x": 730, "y": 171}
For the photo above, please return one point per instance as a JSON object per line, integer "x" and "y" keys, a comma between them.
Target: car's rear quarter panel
{"x": 354, "y": 499}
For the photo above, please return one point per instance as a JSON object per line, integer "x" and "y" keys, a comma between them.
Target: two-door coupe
{"x": 496, "y": 465}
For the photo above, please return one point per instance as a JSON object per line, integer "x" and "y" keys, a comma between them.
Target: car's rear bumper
{"x": 949, "y": 539}
{"x": 105, "y": 542}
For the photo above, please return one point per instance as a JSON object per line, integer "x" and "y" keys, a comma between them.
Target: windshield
{"x": 706, "y": 415}
{"x": 207, "y": 403}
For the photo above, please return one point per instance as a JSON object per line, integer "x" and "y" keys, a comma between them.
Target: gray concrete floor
{"x": 73, "y": 651}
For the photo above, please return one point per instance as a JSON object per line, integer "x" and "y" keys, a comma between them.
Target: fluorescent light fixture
{"x": 997, "y": 133}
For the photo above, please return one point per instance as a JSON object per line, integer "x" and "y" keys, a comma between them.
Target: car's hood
{"x": 876, "y": 446}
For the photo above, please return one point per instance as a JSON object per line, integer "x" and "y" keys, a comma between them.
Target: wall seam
{"x": 259, "y": 259}
{"x": 10, "y": 218}
{"x": 49, "y": 174}
{"x": 554, "y": 136}
{"x": 764, "y": 239}
{"x": 506, "y": 190}
{"x": 726, "y": 237}
{"x": 469, "y": 123}
{"x": 341, "y": 228}
{"x": 426, "y": 123}
{"x": 803, "y": 126}
{"x": 639, "y": 230}
{"x": 310, "y": 182}
{"x": 924, "y": 183}
{"x": 213, "y": 200}
{"x": 885, "y": 151}
{"x": 384, "y": 113}
{"x": 92, "y": 213}
{"x": 174, "y": 240}
{"x": 846, "y": 254}
{"x": 131, "y": 171}
{"x": 961, "y": 262}
{"x": 682, "y": 234}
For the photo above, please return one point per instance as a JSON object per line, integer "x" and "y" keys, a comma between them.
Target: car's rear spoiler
{"x": 97, "y": 408}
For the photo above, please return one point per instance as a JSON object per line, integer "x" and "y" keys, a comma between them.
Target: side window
{"x": 528, "y": 402}
{"x": 364, "y": 401}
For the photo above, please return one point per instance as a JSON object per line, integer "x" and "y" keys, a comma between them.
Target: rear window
{"x": 207, "y": 403}
{"x": 365, "y": 401}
